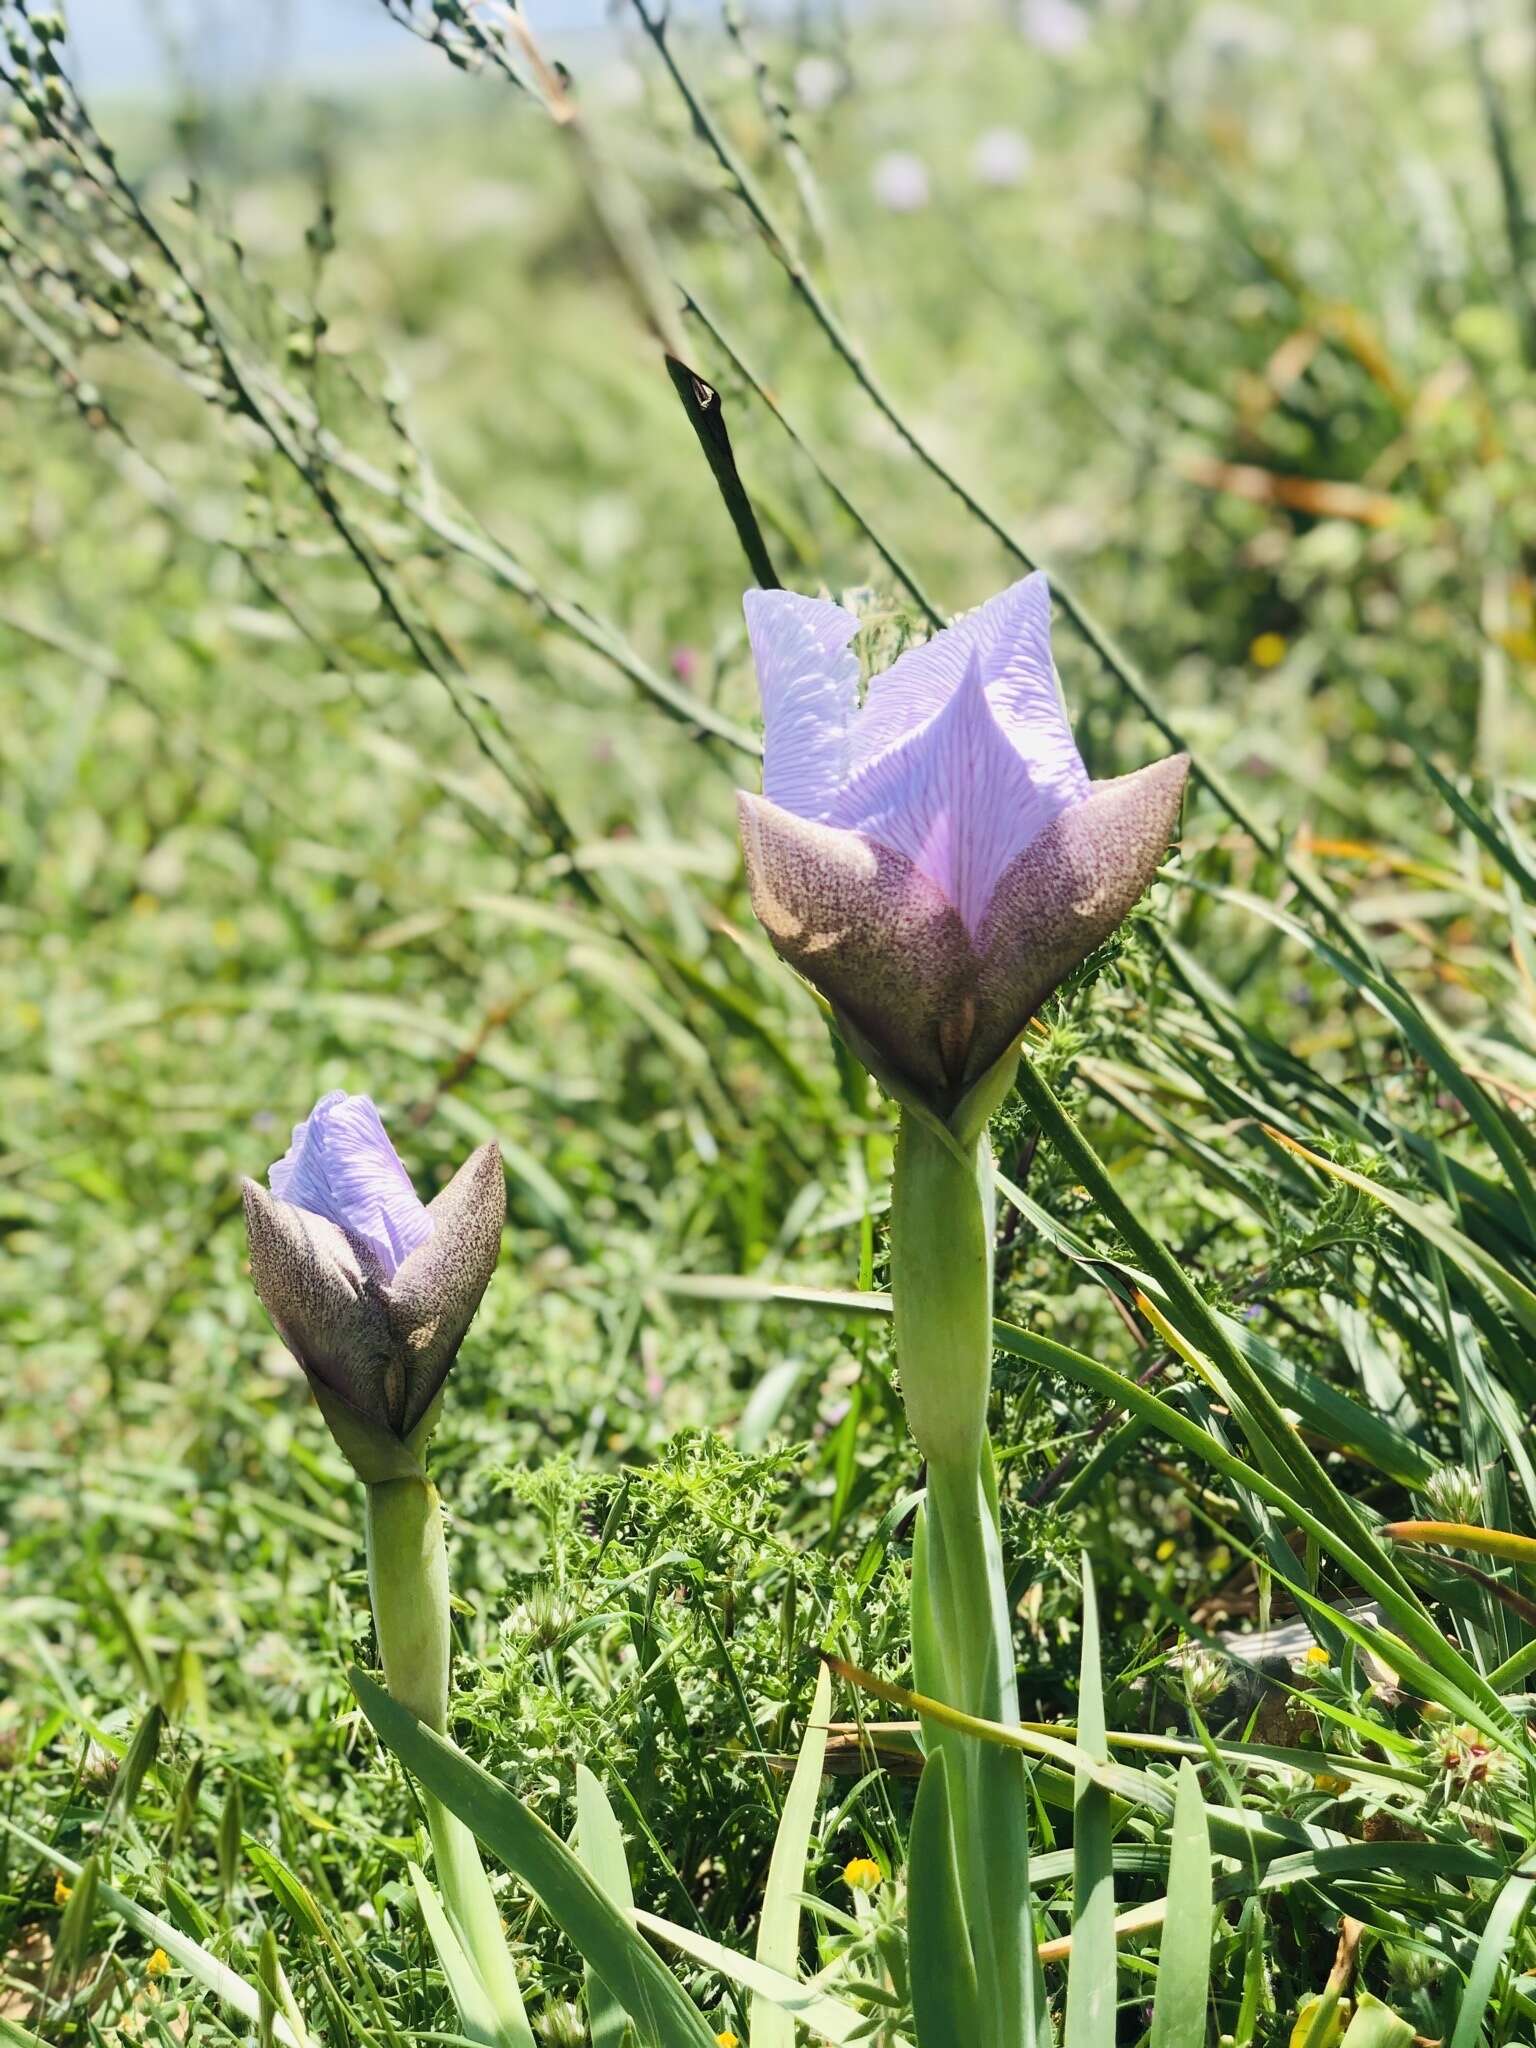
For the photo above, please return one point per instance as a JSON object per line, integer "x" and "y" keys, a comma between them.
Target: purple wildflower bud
{"x": 342, "y": 1166}
{"x": 684, "y": 663}
{"x": 937, "y": 861}
{"x": 371, "y": 1289}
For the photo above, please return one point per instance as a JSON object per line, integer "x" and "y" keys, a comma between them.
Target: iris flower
{"x": 371, "y": 1288}
{"x": 936, "y": 860}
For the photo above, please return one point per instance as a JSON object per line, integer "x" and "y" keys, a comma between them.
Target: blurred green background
{"x": 372, "y": 674}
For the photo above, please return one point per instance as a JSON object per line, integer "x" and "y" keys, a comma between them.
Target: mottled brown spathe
{"x": 882, "y": 944}
{"x": 381, "y": 1346}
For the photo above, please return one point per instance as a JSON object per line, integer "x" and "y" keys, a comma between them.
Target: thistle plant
{"x": 373, "y": 1291}
{"x": 936, "y": 862}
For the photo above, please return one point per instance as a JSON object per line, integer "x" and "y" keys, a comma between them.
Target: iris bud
{"x": 371, "y": 1289}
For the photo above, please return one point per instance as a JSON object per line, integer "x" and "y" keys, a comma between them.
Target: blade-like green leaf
{"x": 1184, "y": 1962}
{"x": 1443, "y": 1058}
{"x": 1336, "y": 1539}
{"x": 1335, "y": 1536}
{"x": 1091, "y": 1977}
{"x": 225, "y": 1984}
{"x": 1432, "y": 1222}
{"x": 1493, "y": 1951}
{"x": 474, "y": 2009}
{"x": 1133, "y": 1785}
{"x": 825, "y": 2017}
{"x": 600, "y": 1845}
{"x": 778, "y": 1931}
{"x": 604, "y": 1936}
{"x": 944, "y": 2005}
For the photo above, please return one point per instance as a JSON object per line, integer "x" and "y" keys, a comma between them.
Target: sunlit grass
{"x": 368, "y": 761}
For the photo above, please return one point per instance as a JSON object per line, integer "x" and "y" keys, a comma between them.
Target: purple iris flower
{"x": 371, "y": 1288}
{"x": 936, "y": 860}
{"x": 342, "y": 1166}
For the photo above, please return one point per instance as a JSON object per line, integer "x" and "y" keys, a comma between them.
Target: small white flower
{"x": 900, "y": 182}
{"x": 1001, "y": 158}
{"x": 1352, "y": 48}
{"x": 1455, "y": 1493}
{"x": 1056, "y": 26}
{"x": 1234, "y": 33}
{"x": 619, "y": 85}
{"x": 818, "y": 81}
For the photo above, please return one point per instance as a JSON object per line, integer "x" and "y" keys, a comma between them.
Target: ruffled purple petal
{"x": 958, "y": 798}
{"x": 809, "y": 678}
{"x": 1011, "y": 636}
{"x": 342, "y": 1166}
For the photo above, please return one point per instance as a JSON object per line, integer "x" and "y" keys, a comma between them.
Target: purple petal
{"x": 1011, "y": 634}
{"x": 342, "y": 1166}
{"x": 958, "y": 799}
{"x": 809, "y": 680}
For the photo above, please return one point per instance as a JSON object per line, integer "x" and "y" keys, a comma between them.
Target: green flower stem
{"x": 408, "y": 1586}
{"x": 941, "y": 1287}
{"x": 962, "y": 1638}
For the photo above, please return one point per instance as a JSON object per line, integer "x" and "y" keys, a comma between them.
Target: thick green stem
{"x": 408, "y": 1585}
{"x": 941, "y": 1283}
{"x": 941, "y": 1288}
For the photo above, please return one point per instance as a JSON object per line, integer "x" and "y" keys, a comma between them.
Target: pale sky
{"x": 119, "y": 45}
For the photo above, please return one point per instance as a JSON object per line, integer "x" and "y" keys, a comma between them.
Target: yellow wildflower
{"x": 1267, "y": 650}
{"x": 61, "y": 1892}
{"x": 1317, "y": 1655}
{"x": 727, "y": 2039}
{"x": 862, "y": 1874}
{"x": 159, "y": 1964}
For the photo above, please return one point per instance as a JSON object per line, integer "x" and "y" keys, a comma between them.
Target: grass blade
{"x": 1091, "y": 1979}
{"x": 1184, "y": 1963}
{"x": 603, "y": 1935}
{"x": 474, "y": 2008}
{"x": 944, "y": 2005}
{"x": 778, "y": 1932}
{"x": 600, "y": 1845}
{"x": 227, "y": 1985}
{"x": 816, "y": 2010}
{"x": 1493, "y": 1950}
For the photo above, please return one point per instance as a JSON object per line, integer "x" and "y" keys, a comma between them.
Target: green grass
{"x": 399, "y": 756}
